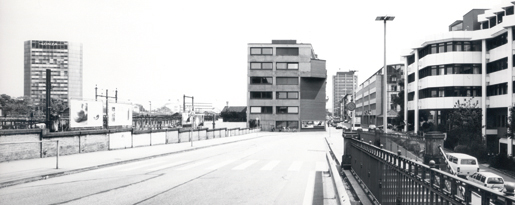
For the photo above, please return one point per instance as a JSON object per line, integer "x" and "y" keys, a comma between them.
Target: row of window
{"x": 466, "y": 91}
{"x": 279, "y": 51}
{"x": 278, "y": 80}
{"x": 474, "y": 91}
{"x": 449, "y": 47}
{"x": 278, "y": 110}
{"x": 278, "y": 66}
{"x": 278, "y": 95}
{"x": 448, "y": 70}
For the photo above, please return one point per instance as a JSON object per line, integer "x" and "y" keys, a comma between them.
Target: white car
{"x": 488, "y": 179}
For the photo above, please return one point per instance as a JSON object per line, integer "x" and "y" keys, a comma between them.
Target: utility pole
{"x": 107, "y": 102}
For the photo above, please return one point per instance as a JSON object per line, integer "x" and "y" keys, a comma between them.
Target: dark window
{"x": 261, "y": 65}
{"x": 289, "y": 66}
{"x": 287, "y": 51}
{"x": 492, "y": 22}
{"x": 497, "y": 41}
{"x": 260, "y": 95}
{"x": 497, "y": 65}
{"x": 261, "y": 80}
{"x": 411, "y": 59}
{"x": 261, "y": 51}
{"x": 509, "y": 11}
{"x": 498, "y": 89}
{"x": 287, "y": 81}
{"x": 286, "y": 110}
{"x": 287, "y": 95}
{"x": 261, "y": 110}
{"x": 465, "y": 91}
{"x": 411, "y": 78}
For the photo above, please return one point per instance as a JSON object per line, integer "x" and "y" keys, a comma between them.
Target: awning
{"x": 391, "y": 114}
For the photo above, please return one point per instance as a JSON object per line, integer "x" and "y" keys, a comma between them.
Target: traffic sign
{"x": 351, "y": 106}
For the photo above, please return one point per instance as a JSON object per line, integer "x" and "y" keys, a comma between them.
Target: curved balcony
{"x": 458, "y": 57}
{"x": 449, "y": 80}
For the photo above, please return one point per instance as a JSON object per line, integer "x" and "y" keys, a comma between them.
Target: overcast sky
{"x": 160, "y": 50}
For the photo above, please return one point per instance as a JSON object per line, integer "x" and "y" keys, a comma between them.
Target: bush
{"x": 461, "y": 149}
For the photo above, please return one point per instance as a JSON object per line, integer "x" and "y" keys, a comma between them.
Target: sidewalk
{"x": 22, "y": 171}
{"x": 335, "y": 141}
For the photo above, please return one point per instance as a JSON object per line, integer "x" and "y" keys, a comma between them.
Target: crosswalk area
{"x": 228, "y": 164}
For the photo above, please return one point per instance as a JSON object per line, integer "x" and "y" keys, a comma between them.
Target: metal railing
{"x": 394, "y": 179}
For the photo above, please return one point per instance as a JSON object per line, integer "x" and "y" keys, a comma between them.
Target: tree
{"x": 14, "y": 107}
{"x": 464, "y": 127}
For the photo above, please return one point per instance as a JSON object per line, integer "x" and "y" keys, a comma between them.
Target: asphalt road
{"x": 278, "y": 169}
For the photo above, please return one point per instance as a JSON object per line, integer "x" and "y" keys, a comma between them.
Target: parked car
{"x": 356, "y": 127}
{"x": 463, "y": 164}
{"x": 372, "y": 127}
{"x": 488, "y": 179}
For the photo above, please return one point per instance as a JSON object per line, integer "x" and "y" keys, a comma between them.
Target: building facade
{"x": 370, "y": 95}
{"x": 64, "y": 59}
{"x": 344, "y": 83}
{"x": 286, "y": 86}
{"x": 474, "y": 60}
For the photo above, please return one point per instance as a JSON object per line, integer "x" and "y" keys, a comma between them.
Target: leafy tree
{"x": 511, "y": 122}
{"x": 464, "y": 124}
{"x": 14, "y": 107}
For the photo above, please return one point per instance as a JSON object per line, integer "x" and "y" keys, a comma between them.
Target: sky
{"x": 152, "y": 50}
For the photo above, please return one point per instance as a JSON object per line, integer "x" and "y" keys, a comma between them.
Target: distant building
{"x": 370, "y": 95}
{"x": 473, "y": 60}
{"x": 234, "y": 114}
{"x": 286, "y": 86}
{"x": 64, "y": 59}
{"x": 344, "y": 83}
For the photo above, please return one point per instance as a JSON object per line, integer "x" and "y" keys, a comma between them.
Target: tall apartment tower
{"x": 286, "y": 86}
{"x": 63, "y": 58}
{"x": 343, "y": 83}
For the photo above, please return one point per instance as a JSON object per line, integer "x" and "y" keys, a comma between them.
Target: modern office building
{"x": 370, "y": 95}
{"x": 286, "y": 86}
{"x": 344, "y": 83}
{"x": 474, "y": 60}
{"x": 64, "y": 59}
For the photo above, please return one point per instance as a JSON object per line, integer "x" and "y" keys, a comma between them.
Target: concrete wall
{"x": 34, "y": 143}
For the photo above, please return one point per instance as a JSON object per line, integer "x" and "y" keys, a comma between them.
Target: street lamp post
{"x": 385, "y": 79}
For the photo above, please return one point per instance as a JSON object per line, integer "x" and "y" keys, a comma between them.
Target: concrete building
{"x": 473, "y": 60}
{"x": 286, "y": 86}
{"x": 370, "y": 95}
{"x": 64, "y": 59}
{"x": 344, "y": 83}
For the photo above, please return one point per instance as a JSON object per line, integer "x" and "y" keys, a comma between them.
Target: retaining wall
{"x": 38, "y": 143}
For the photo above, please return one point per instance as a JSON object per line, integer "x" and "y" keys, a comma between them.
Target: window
{"x": 289, "y": 66}
{"x": 261, "y": 65}
{"x": 286, "y": 110}
{"x": 287, "y": 81}
{"x": 260, "y": 95}
{"x": 287, "y": 124}
{"x": 287, "y": 95}
{"x": 287, "y": 51}
{"x": 449, "y": 46}
{"x": 261, "y": 51}
{"x": 261, "y": 110}
{"x": 261, "y": 80}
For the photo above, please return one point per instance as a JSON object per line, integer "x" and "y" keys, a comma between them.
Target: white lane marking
{"x": 310, "y": 187}
{"x": 270, "y": 165}
{"x": 168, "y": 165}
{"x": 143, "y": 165}
{"x": 245, "y": 165}
{"x": 295, "y": 166}
{"x": 193, "y": 165}
{"x": 221, "y": 164}
{"x": 321, "y": 166}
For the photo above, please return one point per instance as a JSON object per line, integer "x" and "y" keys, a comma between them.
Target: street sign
{"x": 351, "y": 106}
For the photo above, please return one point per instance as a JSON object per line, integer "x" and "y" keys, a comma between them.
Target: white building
{"x": 474, "y": 59}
